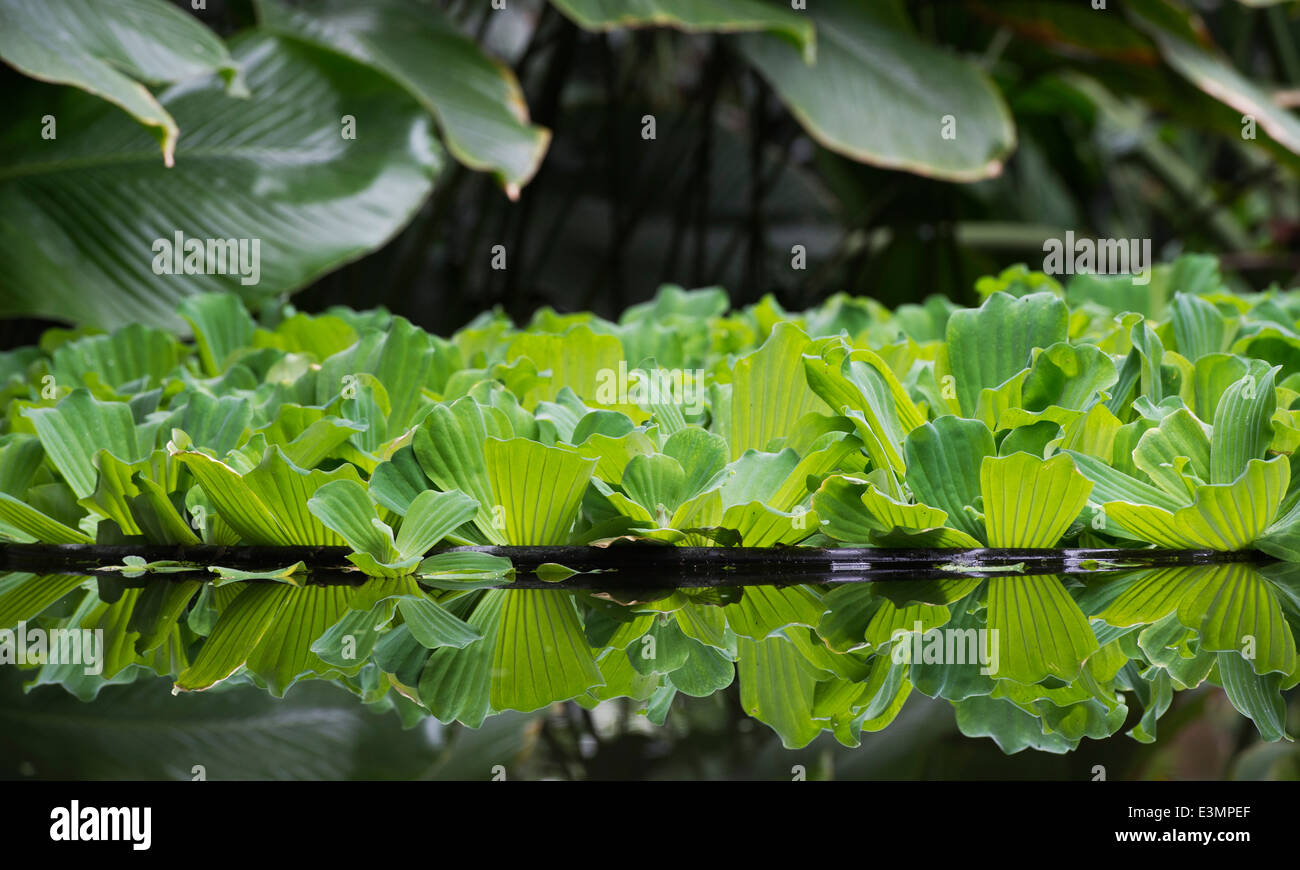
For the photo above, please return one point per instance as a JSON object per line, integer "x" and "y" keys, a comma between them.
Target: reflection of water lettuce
{"x": 1031, "y": 661}
{"x": 1050, "y": 418}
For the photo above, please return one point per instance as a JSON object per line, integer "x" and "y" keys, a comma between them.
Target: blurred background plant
{"x": 319, "y": 731}
{"x": 468, "y": 154}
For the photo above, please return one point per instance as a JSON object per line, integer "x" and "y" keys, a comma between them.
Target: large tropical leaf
{"x": 722, "y": 16}
{"x": 880, "y": 95}
{"x": 477, "y": 101}
{"x": 93, "y": 208}
{"x": 113, "y": 51}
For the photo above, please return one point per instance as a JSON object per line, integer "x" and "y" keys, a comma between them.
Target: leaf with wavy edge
{"x": 540, "y": 654}
{"x": 1040, "y": 630}
{"x": 1233, "y": 607}
{"x": 77, "y": 428}
{"x": 777, "y": 687}
{"x": 769, "y": 389}
{"x": 112, "y": 51}
{"x": 1242, "y": 424}
{"x": 1175, "y": 455}
{"x": 1228, "y": 516}
{"x": 538, "y": 488}
{"x": 1028, "y": 501}
{"x": 268, "y": 505}
{"x": 943, "y": 461}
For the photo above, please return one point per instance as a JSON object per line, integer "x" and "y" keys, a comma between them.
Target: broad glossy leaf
{"x": 695, "y": 16}
{"x": 110, "y": 51}
{"x": 271, "y": 170}
{"x": 478, "y": 103}
{"x": 880, "y": 95}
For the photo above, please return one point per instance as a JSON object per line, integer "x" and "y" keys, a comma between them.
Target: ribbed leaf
{"x": 1242, "y": 425}
{"x": 1223, "y": 517}
{"x": 268, "y": 505}
{"x": 1254, "y": 696}
{"x": 38, "y": 527}
{"x": 235, "y": 636}
{"x": 221, "y": 326}
{"x": 477, "y": 101}
{"x": 778, "y": 689}
{"x": 75, "y": 429}
{"x": 1234, "y": 608}
{"x": 769, "y": 389}
{"x": 1030, "y": 502}
{"x": 272, "y": 171}
{"x": 1176, "y": 455}
{"x": 538, "y": 488}
{"x": 989, "y": 345}
{"x": 1199, "y": 328}
{"x": 284, "y": 654}
{"x": 449, "y": 445}
{"x": 433, "y": 626}
{"x": 1041, "y": 632}
{"x": 456, "y": 684}
{"x": 345, "y": 507}
{"x": 541, "y": 655}
{"x": 431, "y": 517}
{"x": 764, "y": 610}
{"x": 943, "y": 468}
{"x": 26, "y": 596}
{"x": 109, "y": 51}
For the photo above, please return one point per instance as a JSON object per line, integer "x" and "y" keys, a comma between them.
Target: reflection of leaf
{"x": 777, "y": 688}
{"x": 317, "y": 732}
{"x": 541, "y": 655}
{"x": 1253, "y": 695}
{"x": 1233, "y": 608}
{"x": 1041, "y": 631}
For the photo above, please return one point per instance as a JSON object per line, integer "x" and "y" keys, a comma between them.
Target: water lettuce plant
{"x": 1102, "y": 413}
